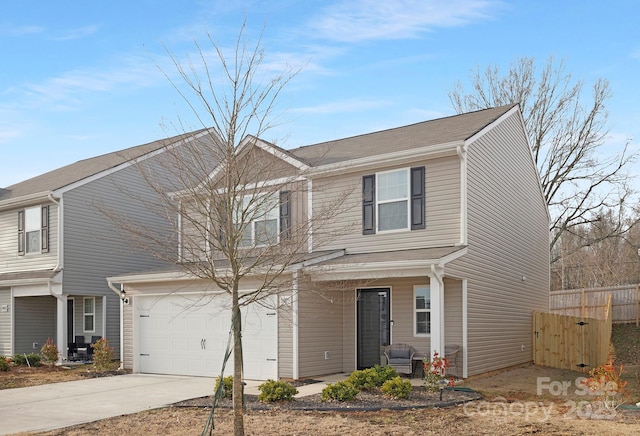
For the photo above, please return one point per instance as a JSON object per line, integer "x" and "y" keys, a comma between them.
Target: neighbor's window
{"x": 422, "y": 310}
{"x": 32, "y": 221}
{"x": 89, "y": 314}
{"x": 263, "y": 211}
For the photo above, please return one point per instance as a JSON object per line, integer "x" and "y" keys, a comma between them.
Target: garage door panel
{"x": 175, "y": 339}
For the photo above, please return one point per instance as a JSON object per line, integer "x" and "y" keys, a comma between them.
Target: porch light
{"x": 123, "y": 296}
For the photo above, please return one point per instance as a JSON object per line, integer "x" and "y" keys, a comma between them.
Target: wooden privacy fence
{"x": 571, "y": 342}
{"x": 625, "y": 303}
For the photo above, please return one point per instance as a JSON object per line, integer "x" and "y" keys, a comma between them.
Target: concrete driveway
{"x": 59, "y": 405}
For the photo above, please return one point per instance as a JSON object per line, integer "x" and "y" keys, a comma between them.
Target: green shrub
{"x": 4, "y": 365}
{"x": 340, "y": 391}
{"x": 385, "y": 373}
{"x": 397, "y": 388}
{"x": 364, "y": 379}
{"x": 371, "y": 378}
{"x": 227, "y": 386}
{"x": 271, "y": 391}
{"x": 49, "y": 352}
{"x": 20, "y": 359}
{"x": 103, "y": 356}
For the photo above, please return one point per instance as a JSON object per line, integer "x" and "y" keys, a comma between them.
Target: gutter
{"x": 118, "y": 292}
{"x": 25, "y": 199}
{"x": 58, "y": 266}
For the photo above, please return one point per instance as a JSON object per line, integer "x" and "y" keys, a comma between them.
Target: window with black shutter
{"x": 21, "y": 232}
{"x": 285, "y": 215}
{"x": 417, "y": 198}
{"x": 369, "y": 204}
{"x": 45, "y": 229}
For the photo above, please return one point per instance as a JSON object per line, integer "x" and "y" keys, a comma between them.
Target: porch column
{"x": 61, "y": 327}
{"x": 436, "y": 286}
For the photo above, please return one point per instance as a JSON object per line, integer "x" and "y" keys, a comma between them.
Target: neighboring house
{"x": 57, "y": 248}
{"x": 446, "y": 242}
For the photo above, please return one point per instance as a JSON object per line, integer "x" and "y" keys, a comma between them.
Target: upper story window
{"x": 422, "y": 310}
{"x": 393, "y": 200}
{"x": 33, "y": 230}
{"x": 270, "y": 218}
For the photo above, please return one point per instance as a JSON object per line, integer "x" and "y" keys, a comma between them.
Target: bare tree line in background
{"x": 593, "y": 239}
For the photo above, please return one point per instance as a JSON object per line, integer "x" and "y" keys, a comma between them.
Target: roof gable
{"x": 83, "y": 169}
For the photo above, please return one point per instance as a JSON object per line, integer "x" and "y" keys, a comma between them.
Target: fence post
{"x": 637, "y": 305}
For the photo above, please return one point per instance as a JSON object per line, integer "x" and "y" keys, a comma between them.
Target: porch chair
{"x": 451, "y": 354}
{"x": 81, "y": 347}
{"x": 400, "y": 357}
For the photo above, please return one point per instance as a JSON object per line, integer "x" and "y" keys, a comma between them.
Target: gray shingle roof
{"x": 439, "y": 131}
{"x": 82, "y": 169}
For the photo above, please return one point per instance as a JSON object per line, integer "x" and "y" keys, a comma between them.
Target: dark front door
{"x": 69, "y": 321}
{"x": 373, "y": 325}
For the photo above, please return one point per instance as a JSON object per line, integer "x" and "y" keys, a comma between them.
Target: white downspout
{"x": 59, "y": 264}
{"x": 462, "y": 154}
{"x": 118, "y": 292}
{"x": 294, "y": 319}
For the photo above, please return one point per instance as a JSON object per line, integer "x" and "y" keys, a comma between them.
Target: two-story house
{"x": 441, "y": 239}
{"x": 57, "y": 247}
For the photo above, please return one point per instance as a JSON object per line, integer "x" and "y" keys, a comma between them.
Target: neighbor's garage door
{"x": 187, "y": 335}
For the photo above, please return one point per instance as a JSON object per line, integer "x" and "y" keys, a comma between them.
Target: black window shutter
{"x": 45, "y": 229}
{"x": 285, "y": 215}
{"x": 369, "y": 204}
{"x": 21, "y": 240}
{"x": 417, "y": 198}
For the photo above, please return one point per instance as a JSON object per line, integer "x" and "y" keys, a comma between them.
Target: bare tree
{"x": 567, "y": 134}
{"x": 237, "y": 203}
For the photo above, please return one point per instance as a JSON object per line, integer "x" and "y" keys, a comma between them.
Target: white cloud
{"x": 66, "y": 90}
{"x": 352, "y": 21}
{"x": 77, "y": 33}
{"x": 635, "y": 54}
{"x": 344, "y": 106}
{"x": 9, "y": 29}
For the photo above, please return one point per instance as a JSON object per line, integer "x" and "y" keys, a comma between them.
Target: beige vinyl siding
{"x": 508, "y": 240}
{"x": 320, "y": 329}
{"x": 5, "y": 322}
{"x": 349, "y": 347}
{"x": 35, "y": 321}
{"x": 285, "y": 340}
{"x": 442, "y": 209}
{"x": 127, "y": 321}
{"x": 9, "y": 259}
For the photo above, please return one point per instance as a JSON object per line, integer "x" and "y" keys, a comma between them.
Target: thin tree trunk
{"x": 238, "y": 417}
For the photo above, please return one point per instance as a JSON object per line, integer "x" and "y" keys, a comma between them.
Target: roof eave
{"x": 394, "y": 158}
{"x": 25, "y": 200}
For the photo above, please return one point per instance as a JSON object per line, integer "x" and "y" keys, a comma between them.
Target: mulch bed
{"x": 366, "y": 400}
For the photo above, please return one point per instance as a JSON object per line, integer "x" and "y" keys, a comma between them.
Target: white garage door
{"x": 187, "y": 335}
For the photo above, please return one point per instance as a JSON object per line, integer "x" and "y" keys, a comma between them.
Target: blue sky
{"x": 80, "y": 78}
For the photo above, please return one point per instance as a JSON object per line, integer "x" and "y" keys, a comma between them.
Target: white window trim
{"x": 395, "y": 200}
{"x": 416, "y": 311}
{"x": 27, "y": 230}
{"x": 85, "y": 314}
{"x": 251, "y": 223}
